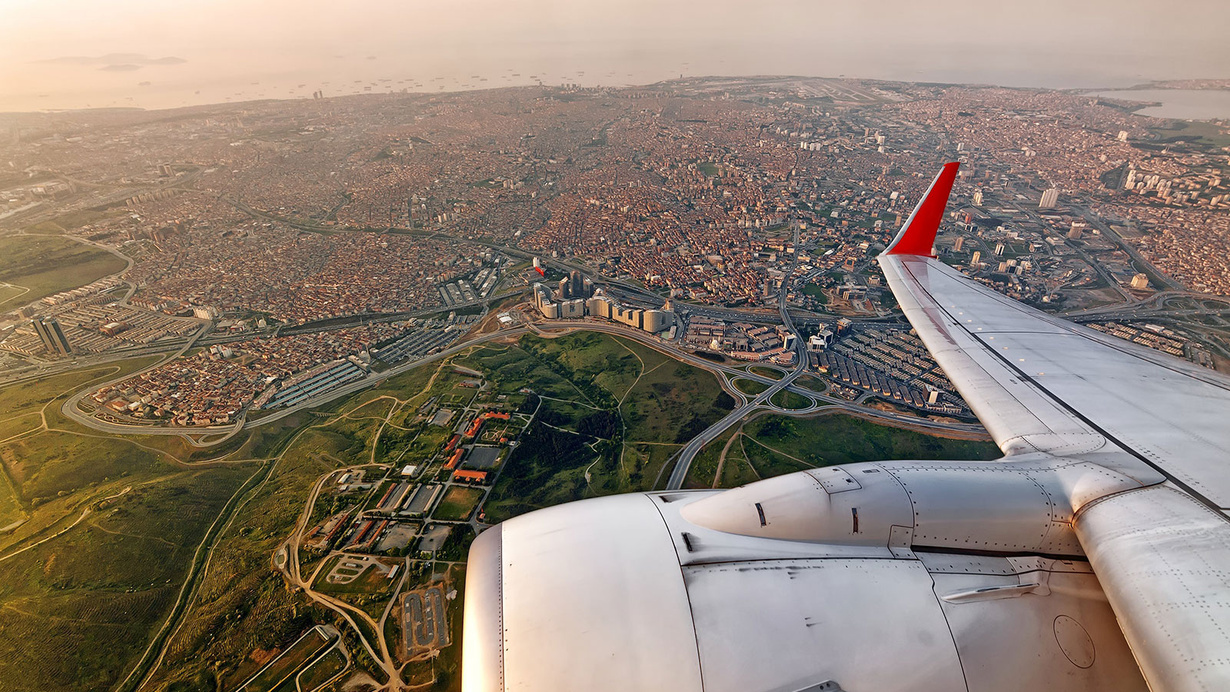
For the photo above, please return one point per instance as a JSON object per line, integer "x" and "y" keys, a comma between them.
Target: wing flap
{"x": 1160, "y": 556}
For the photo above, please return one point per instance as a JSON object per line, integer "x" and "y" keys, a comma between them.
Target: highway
{"x": 1128, "y": 248}
{"x": 684, "y": 460}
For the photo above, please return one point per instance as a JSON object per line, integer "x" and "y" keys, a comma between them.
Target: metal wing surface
{"x": 1041, "y": 384}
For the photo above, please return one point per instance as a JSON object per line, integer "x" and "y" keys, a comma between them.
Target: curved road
{"x": 684, "y": 462}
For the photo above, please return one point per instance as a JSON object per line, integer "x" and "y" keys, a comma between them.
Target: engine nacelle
{"x": 918, "y": 576}
{"x": 1006, "y": 507}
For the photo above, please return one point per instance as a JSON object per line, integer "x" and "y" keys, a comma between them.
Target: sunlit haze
{"x": 614, "y": 345}
{"x": 142, "y": 53}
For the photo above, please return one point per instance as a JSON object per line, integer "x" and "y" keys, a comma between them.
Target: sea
{"x": 1182, "y": 104}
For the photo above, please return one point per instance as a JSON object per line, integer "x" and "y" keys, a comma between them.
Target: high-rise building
{"x": 1049, "y": 199}
{"x": 1140, "y": 282}
{"x": 957, "y": 244}
{"x": 52, "y": 336}
{"x": 975, "y": 258}
{"x": 978, "y": 197}
{"x": 575, "y": 285}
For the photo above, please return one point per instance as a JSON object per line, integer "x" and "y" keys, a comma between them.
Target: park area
{"x": 610, "y": 412}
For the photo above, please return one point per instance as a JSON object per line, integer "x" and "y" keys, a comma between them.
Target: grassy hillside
{"x": 772, "y": 445}
{"x": 612, "y": 412}
{"x": 97, "y": 534}
{"x": 46, "y": 266}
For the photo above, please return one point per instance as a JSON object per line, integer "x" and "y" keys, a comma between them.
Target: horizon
{"x": 1141, "y": 86}
{"x": 74, "y": 55}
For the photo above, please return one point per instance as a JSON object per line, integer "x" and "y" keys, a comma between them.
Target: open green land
{"x": 108, "y": 529}
{"x": 815, "y": 384}
{"x": 81, "y": 605}
{"x": 458, "y": 503}
{"x": 605, "y": 402}
{"x": 749, "y": 387}
{"x": 764, "y": 371}
{"x": 604, "y": 415}
{"x": 1196, "y": 131}
{"x": 815, "y": 291}
{"x": 789, "y": 400}
{"x": 774, "y": 444}
{"x": 9, "y": 292}
{"x": 48, "y": 265}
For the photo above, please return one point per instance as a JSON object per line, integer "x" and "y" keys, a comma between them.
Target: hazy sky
{"x": 162, "y": 53}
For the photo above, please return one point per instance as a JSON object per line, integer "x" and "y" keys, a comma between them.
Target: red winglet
{"x": 917, "y": 236}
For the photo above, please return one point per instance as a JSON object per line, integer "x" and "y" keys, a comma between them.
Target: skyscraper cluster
{"x": 574, "y": 286}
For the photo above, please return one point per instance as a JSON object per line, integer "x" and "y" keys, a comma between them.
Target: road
{"x": 286, "y": 561}
{"x": 1127, "y": 247}
{"x": 684, "y": 461}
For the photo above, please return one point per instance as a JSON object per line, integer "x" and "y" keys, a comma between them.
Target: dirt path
{"x": 717, "y": 477}
{"x": 84, "y": 513}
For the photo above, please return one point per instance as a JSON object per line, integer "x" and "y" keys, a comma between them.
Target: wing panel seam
{"x": 1059, "y": 402}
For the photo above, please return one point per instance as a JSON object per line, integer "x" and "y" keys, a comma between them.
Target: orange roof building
{"x": 470, "y": 476}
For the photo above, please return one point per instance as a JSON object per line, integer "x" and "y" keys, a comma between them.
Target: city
{"x": 325, "y": 343}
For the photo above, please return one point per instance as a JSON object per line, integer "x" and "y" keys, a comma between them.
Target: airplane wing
{"x": 1041, "y": 384}
{"x": 1094, "y": 556}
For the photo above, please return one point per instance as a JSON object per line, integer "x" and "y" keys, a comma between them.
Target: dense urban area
{"x": 361, "y": 329}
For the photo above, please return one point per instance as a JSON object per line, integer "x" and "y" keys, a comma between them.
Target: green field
{"x": 11, "y": 293}
{"x": 1198, "y": 131}
{"x": 815, "y": 291}
{"x": 79, "y": 607}
{"x": 612, "y": 411}
{"x": 110, "y": 532}
{"x": 458, "y": 503}
{"x": 771, "y": 373}
{"x": 789, "y": 400}
{"x": 774, "y": 444}
{"x": 814, "y": 384}
{"x": 49, "y": 265}
{"x": 749, "y": 387}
